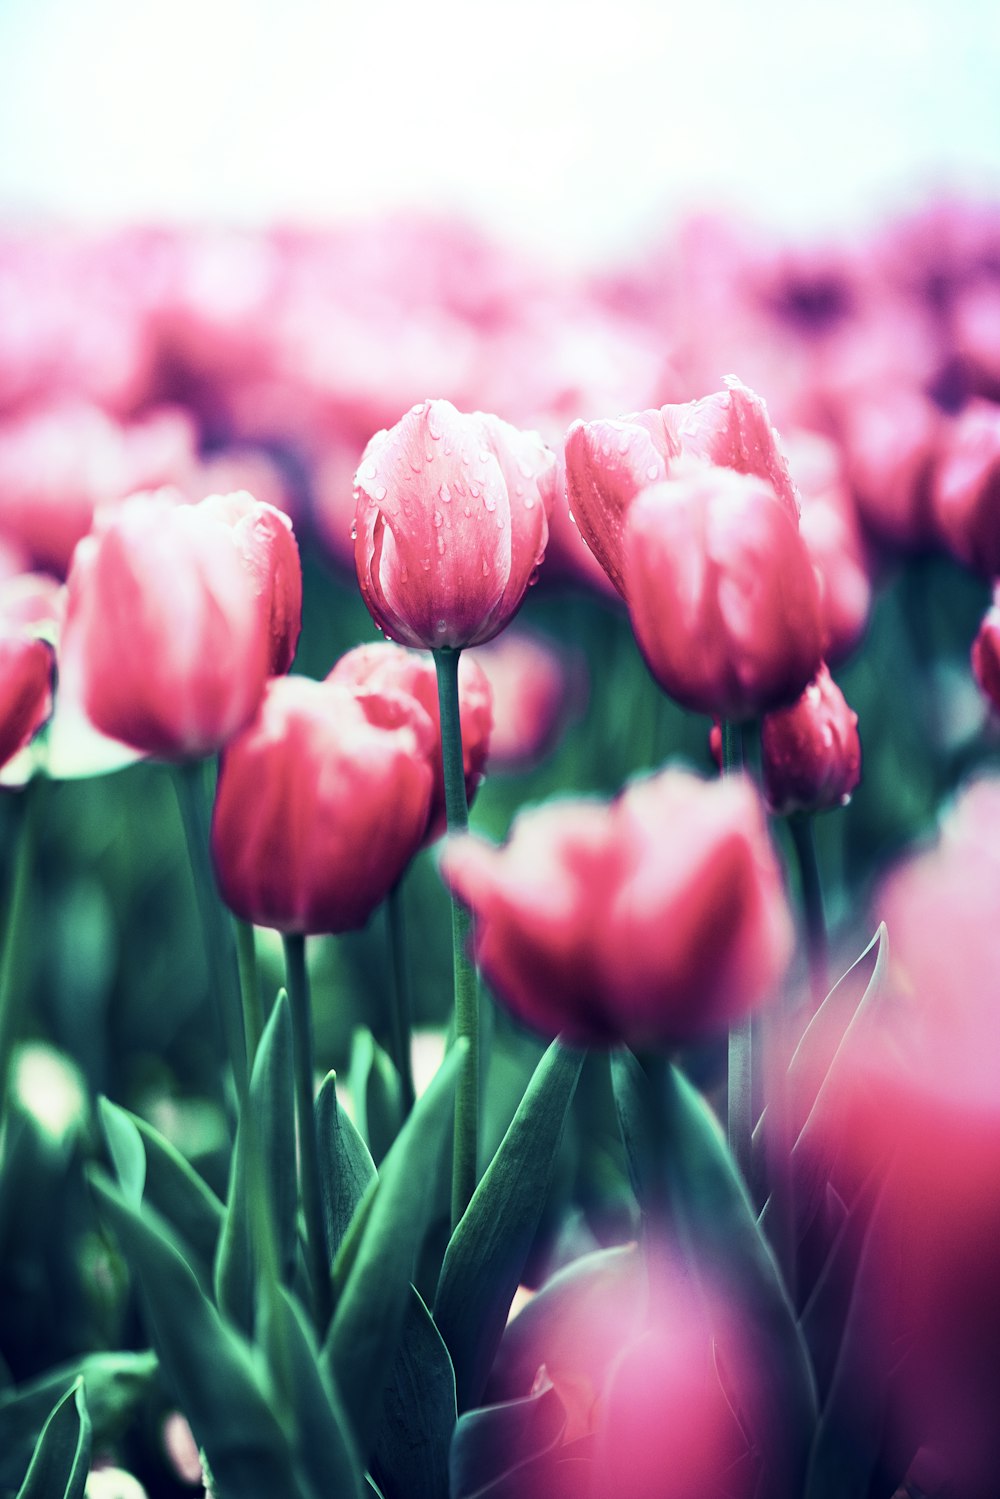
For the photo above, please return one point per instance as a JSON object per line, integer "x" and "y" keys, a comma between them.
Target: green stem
{"x": 463, "y": 1181}
{"x": 739, "y": 1113}
{"x": 253, "y": 1010}
{"x": 804, "y": 840}
{"x": 14, "y": 927}
{"x": 193, "y": 798}
{"x": 400, "y": 1003}
{"x": 317, "y": 1251}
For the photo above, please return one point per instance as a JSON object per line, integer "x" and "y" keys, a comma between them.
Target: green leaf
{"x": 185, "y": 1200}
{"x": 113, "y": 1384}
{"x": 345, "y": 1164}
{"x": 325, "y": 1449}
{"x": 125, "y": 1148}
{"x": 210, "y": 1367}
{"x": 492, "y": 1445}
{"x": 419, "y": 1412}
{"x": 483, "y": 1262}
{"x": 264, "y": 1210}
{"x": 374, "y": 1085}
{"x": 724, "y": 1244}
{"x": 369, "y": 1315}
{"x": 61, "y": 1461}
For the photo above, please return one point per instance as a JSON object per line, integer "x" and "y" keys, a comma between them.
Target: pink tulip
{"x": 321, "y": 803}
{"x": 654, "y": 920}
{"x": 810, "y": 752}
{"x": 168, "y": 637}
{"x": 382, "y": 667}
{"x": 25, "y": 687}
{"x": 986, "y": 653}
{"x": 451, "y": 523}
{"x": 266, "y": 542}
{"x": 722, "y": 593}
{"x": 608, "y": 463}
{"x": 966, "y": 489}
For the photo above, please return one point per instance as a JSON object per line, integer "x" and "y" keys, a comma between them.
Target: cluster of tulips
{"x": 691, "y": 1199}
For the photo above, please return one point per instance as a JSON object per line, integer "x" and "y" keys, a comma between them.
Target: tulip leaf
{"x": 371, "y": 1308}
{"x": 211, "y": 1369}
{"x": 327, "y": 1457}
{"x": 419, "y": 1412}
{"x": 847, "y": 1450}
{"x": 493, "y": 1445}
{"x": 374, "y": 1085}
{"x": 486, "y": 1255}
{"x": 720, "y": 1235}
{"x": 61, "y": 1460}
{"x": 176, "y": 1190}
{"x": 270, "y": 1131}
{"x": 346, "y": 1166}
{"x": 126, "y": 1149}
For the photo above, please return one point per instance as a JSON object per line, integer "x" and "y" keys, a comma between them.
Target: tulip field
{"x": 500, "y": 864}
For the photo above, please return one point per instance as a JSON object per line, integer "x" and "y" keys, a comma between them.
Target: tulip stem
{"x": 464, "y": 1167}
{"x": 193, "y": 798}
{"x": 14, "y": 927}
{"x": 802, "y": 831}
{"x": 400, "y": 1002}
{"x": 739, "y": 1112}
{"x": 317, "y": 1252}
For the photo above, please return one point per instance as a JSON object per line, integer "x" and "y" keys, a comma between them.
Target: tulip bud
{"x": 168, "y": 637}
{"x": 656, "y": 920}
{"x": 383, "y": 667}
{"x": 810, "y": 752}
{"x": 450, "y": 524}
{"x": 722, "y": 593}
{"x": 265, "y": 541}
{"x": 320, "y": 805}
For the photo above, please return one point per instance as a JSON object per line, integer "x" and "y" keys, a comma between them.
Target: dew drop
{"x": 415, "y": 463}
{"x": 653, "y": 471}
{"x": 440, "y": 546}
{"x": 489, "y": 502}
{"x": 418, "y": 409}
{"x": 354, "y": 530}
{"x": 467, "y": 510}
{"x": 529, "y": 502}
{"x": 425, "y": 563}
{"x": 438, "y": 518}
{"x": 434, "y": 433}
{"x": 404, "y": 576}
{"x": 525, "y": 469}
{"x": 368, "y": 469}
{"x": 486, "y": 567}
{"x": 378, "y": 492}
{"x": 444, "y": 495}
{"x": 441, "y": 626}
{"x": 429, "y": 454}
{"x": 624, "y": 443}
{"x": 475, "y": 491}
{"x": 500, "y": 523}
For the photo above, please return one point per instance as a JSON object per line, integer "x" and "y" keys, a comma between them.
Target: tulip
{"x": 966, "y": 490}
{"x": 810, "y": 752}
{"x": 170, "y": 642}
{"x": 321, "y": 803}
{"x": 383, "y": 667}
{"x": 986, "y": 653}
{"x": 722, "y": 593}
{"x": 656, "y": 920}
{"x": 25, "y": 688}
{"x": 450, "y": 524}
{"x": 608, "y": 463}
{"x": 534, "y": 687}
{"x": 265, "y": 541}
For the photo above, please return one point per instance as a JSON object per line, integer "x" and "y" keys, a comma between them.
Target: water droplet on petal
{"x": 404, "y": 575}
{"x": 367, "y": 469}
{"x": 444, "y": 495}
{"x": 529, "y": 502}
{"x": 525, "y": 469}
{"x": 653, "y": 471}
{"x": 378, "y": 493}
{"x": 475, "y": 491}
{"x": 440, "y": 545}
{"x": 433, "y": 432}
{"x": 486, "y": 567}
{"x": 441, "y": 626}
{"x": 438, "y": 518}
{"x": 415, "y": 463}
{"x": 624, "y": 443}
{"x": 489, "y": 502}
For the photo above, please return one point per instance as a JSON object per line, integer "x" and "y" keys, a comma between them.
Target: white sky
{"x": 566, "y": 126}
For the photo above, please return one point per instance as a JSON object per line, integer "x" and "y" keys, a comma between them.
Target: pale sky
{"x": 570, "y": 127}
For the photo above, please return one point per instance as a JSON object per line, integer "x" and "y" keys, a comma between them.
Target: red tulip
{"x": 986, "y": 653}
{"x": 654, "y": 920}
{"x": 810, "y": 752}
{"x": 608, "y": 463}
{"x": 169, "y": 640}
{"x": 450, "y": 525}
{"x": 320, "y": 805}
{"x": 722, "y": 593}
{"x": 966, "y": 490}
{"x": 383, "y": 667}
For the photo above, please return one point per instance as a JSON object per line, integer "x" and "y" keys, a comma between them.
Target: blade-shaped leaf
{"x": 725, "y": 1245}
{"x": 493, "y": 1444}
{"x": 369, "y": 1315}
{"x": 126, "y": 1149}
{"x": 419, "y": 1412}
{"x": 346, "y": 1166}
{"x": 210, "y": 1367}
{"x": 61, "y": 1460}
{"x": 374, "y": 1085}
{"x": 483, "y": 1262}
{"x": 185, "y": 1200}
